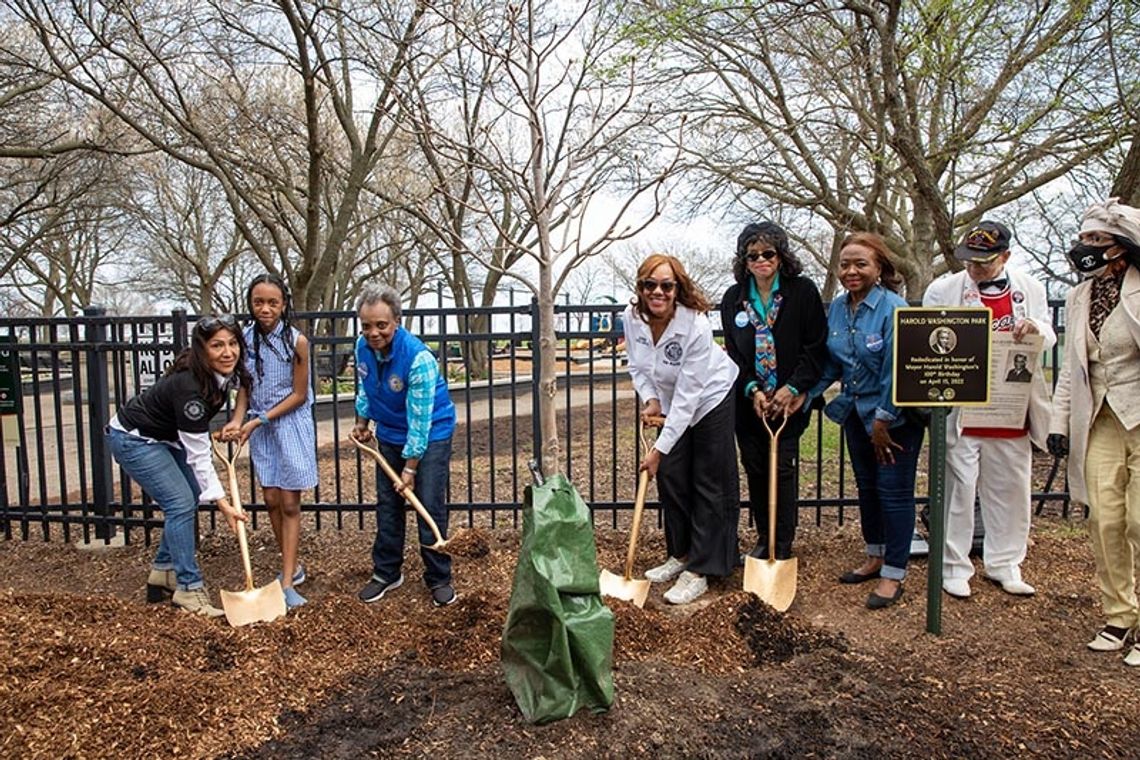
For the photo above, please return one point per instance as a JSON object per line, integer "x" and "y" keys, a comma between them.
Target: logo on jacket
{"x": 673, "y": 351}
{"x": 395, "y": 384}
{"x": 194, "y": 410}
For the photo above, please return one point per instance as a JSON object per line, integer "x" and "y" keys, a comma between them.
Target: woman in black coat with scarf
{"x": 775, "y": 329}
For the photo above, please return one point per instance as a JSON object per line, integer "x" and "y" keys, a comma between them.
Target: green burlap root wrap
{"x": 558, "y": 642}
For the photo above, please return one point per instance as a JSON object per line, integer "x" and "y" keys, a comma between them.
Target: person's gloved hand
{"x": 1057, "y": 444}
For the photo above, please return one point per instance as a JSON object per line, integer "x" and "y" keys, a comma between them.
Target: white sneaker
{"x": 918, "y": 546}
{"x": 959, "y": 588}
{"x": 1132, "y": 659}
{"x": 666, "y": 572}
{"x": 689, "y": 587}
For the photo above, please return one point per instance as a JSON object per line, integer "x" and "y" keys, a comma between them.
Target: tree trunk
{"x": 831, "y": 279}
{"x": 1126, "y": 187}
{"x": 547, "y": 379}
{"x": 475, "y": 353}
{"x": 918, "y": 268}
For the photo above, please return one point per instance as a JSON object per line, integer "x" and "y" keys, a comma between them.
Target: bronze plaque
{"x": 942, "y": 356}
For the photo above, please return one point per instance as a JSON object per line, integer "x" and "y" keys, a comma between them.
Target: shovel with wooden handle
{"x": 624, "y": 586}
{"x": 251, "y": 605}
{"x": 773, "y": 580}
{"x": 440, "y": 544}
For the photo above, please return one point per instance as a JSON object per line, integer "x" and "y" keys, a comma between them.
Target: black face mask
{"x": 1089, "y": 258}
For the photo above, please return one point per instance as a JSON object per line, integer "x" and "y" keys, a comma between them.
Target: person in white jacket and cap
{"x": 1096, "y": 410}
{"x": 679, "y": 371}
{"x": 994, "y": 464}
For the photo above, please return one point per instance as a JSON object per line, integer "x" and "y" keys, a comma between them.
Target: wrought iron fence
{"x": 56, "y": 475}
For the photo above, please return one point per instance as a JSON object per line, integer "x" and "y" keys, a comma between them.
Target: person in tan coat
{"x": 1096, "y": 410}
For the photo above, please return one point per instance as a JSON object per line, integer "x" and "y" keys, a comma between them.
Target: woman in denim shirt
{"x": 882, "y": 441}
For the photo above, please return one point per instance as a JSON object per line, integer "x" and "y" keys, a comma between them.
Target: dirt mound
{"x": 734, "y": 631}
{"x": 773, "y": 637}
{"x": 469, "y": 543}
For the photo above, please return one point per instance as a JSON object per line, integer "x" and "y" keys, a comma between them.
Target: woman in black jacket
{"x": 161, "y": 439}
{"x": 775, "y": 330}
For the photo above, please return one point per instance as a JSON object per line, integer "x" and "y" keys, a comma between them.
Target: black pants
{"x": 754, "y": 452}
{"x": 700, "y": 493}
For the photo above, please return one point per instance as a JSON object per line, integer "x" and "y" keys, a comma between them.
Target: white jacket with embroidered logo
{"x": 686, "y": 371}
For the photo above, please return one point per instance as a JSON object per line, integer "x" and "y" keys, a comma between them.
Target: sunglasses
{"x": 211, "y": 323}
{"x": 753, "y": 256}
{"x": 648, "y": 286}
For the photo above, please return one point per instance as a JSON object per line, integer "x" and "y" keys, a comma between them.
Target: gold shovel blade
{"x": 773, "y": 580}
{"x": 619, "y": 588}
{"x": 259, "y": 605}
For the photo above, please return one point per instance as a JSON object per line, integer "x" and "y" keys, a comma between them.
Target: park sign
{"x": 942, "y": 356}
{"x": 942, "y": 359}
{"x": 9, "y": 376}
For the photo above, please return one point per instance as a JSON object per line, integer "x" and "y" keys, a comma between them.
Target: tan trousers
{"x": 1112, "y": 473}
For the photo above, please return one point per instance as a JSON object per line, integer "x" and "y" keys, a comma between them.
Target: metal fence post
{"x": 98, "y": 415}
{"x": 179, "y": 332}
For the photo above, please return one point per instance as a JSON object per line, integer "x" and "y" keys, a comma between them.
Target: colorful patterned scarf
{"x": 765, "y": 345}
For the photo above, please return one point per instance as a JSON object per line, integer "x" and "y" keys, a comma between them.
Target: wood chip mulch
{"x": 87, "y": 669}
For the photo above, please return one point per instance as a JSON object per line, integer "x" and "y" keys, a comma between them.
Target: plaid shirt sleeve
{"x": 420, "y": 403}
{"x": 361, "y": 404}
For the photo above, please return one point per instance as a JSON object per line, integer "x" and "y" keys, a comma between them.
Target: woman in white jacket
{"x": 680, "y": 372}
{"x": 1096, "y": 410}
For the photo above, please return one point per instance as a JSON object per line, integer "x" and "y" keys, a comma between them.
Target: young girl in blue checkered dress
{"x": 277, "y": 419}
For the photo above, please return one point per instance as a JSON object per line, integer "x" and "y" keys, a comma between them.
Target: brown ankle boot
{"x": 160, "y": 584}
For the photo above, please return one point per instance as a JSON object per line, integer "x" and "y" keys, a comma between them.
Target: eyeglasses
{"x": 648, "y": 286}
{"x": 211, "y": 323}
{"x": 753, "y": 256}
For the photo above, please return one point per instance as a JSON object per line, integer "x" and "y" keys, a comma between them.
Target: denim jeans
{"x": 432, "y": 476}
{"x": 162, "y": 471}
{"x": 886, "y": 492}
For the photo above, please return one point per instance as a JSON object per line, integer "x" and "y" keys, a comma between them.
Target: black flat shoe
{"x": 853, "y": 577}
{"x": 876, "y": 602}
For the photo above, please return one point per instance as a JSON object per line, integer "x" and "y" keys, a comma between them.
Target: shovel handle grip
{"x": 408, "y": 494}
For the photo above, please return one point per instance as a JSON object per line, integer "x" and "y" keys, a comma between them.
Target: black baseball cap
{"x": 983, "y": 241}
